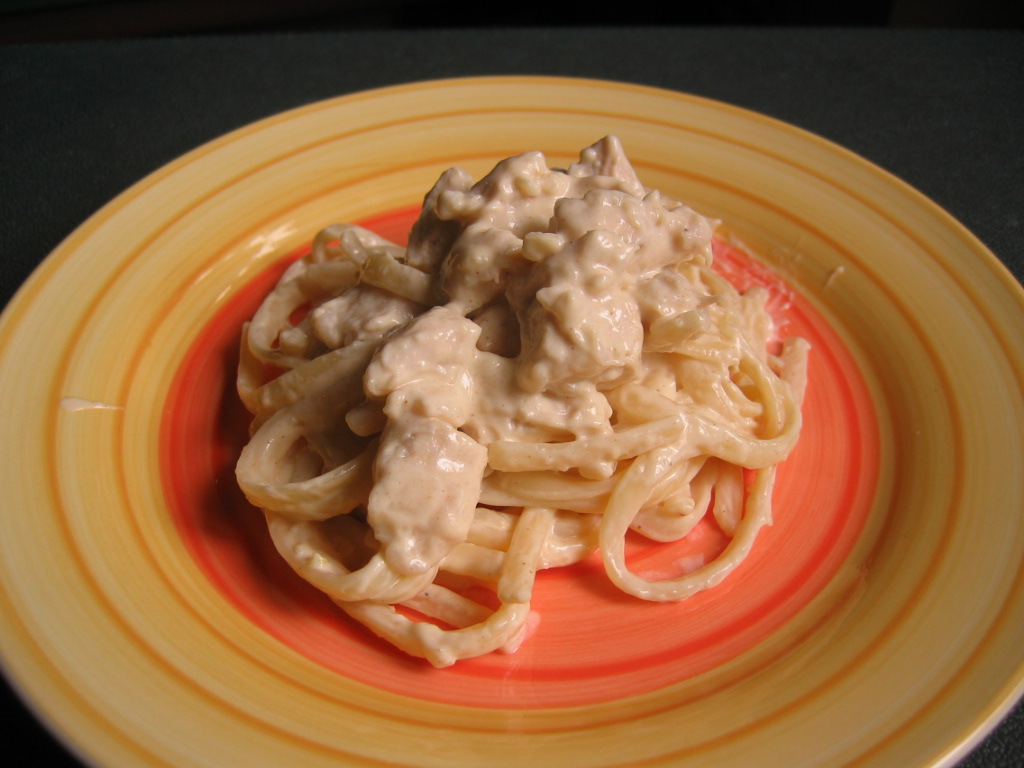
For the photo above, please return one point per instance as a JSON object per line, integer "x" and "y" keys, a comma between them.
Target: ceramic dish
{"x": 878, "y": 622}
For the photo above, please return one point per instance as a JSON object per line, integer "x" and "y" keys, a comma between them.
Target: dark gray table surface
{"x": 82, "y": 121}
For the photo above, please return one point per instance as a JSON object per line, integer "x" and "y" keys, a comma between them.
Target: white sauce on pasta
{"x": 549, "y": 364}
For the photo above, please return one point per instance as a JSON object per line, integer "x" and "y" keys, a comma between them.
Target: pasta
{"x": 548, "y": 365}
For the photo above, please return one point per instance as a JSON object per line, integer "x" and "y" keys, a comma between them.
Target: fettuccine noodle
{"x": 550, "y": 364}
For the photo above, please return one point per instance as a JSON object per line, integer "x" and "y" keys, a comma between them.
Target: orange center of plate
{"x": 592, "y": 643}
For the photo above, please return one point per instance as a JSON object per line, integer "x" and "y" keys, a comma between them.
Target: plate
{"x": 879, "y": 625}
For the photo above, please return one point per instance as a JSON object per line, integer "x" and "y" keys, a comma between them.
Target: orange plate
{"x": 877, "y": 623}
